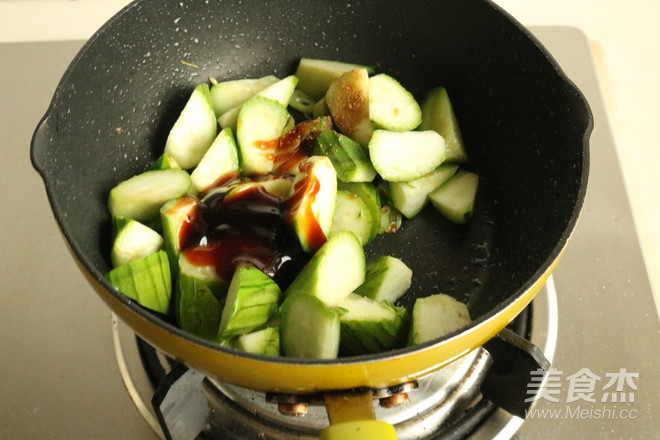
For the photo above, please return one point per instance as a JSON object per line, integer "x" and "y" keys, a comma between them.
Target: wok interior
{"x": 523, "y": 125}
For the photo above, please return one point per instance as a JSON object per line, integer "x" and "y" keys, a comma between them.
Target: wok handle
{"x": 515, "y": 360}
{"x": 352, "y": 416}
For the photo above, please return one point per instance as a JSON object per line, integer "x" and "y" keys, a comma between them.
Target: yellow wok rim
{"x": 285, "y": 375}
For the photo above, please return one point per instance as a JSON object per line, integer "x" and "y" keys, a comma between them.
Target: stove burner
{"x": 441, "y": 400}
{"x": 447, "y": 404}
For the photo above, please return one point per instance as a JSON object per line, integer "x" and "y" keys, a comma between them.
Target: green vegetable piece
{"x": 146, "y": 281}
{"x": 347, "y": 99}
{"x": 350, "y": 160}
{"x": 370, "y": 326}
{"x": 199, "y": 297}
{"x": 335, "y": 270}
{"x": 400, "y": 156}
{"x": 387, "y": 279}
{"x": 352, "y": 214}
{"x": 369, "y": 195}
{"x": 436, "y": 316}
{"x": 281, "y": 92}
{"x": 194, "y": 130}
{"x": 289, "y": 154}
{"x": 277, "y": 186}
{"x": 301, "y": 102}
{"x": 438, "y": 114}
{"x": 455, "y": 198}
{"x": 320, "y": 109}
{"x": 133, "y": 241}
{"x": 311, "y": 206}
{"x": 252, "y": 299}
{"x": 141, "y": 197}
{"x": 309, "y": 328}
{"x": 391, "y": 106}
{"x": 219, "y": 164}
{"x": 411, "y": 197}
{"x": 265, "y": 342}
{"x": 315, "y": 76}
{"x": 260, "y": 123}
{"x": 165, "y": 162}
{"x": 226, "y": 95}
{"x": 173, "y": 215}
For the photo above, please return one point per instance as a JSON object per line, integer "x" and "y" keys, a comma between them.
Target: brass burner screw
{"x": 292, "y": 409}
{"x": 393, "y": 400}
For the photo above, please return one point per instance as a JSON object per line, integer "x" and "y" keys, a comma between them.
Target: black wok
{"x": 526, "y": 127}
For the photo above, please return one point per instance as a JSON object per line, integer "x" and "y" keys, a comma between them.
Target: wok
{"x": 526, "y": 128}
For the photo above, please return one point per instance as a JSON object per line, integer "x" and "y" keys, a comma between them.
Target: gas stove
{"x": 73, "y": 371}
{"x": 447, "y": 404}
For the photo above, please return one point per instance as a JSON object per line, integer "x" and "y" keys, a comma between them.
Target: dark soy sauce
{"x": 247, "y": 228}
